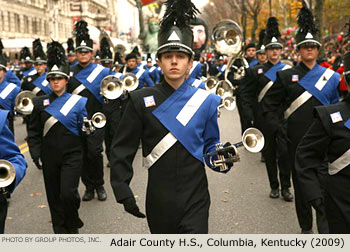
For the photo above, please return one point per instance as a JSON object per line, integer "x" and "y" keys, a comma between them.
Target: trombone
{"x": 7, "y": 175}
{"x": 24, "y": 103}
{"x": 252, "y": 140}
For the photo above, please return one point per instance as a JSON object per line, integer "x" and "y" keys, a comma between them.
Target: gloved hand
{"x": 317, "y": 204}
{"x": 131, "y": 207}
{"x": 225, "y": 153}
{"x": 37, "y": 163}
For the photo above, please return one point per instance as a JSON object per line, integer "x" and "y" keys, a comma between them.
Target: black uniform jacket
{"x": 58, "y": 141}
{"x": 280, "y": 96}
{"x": 326, "y": 139}
{"x": 92, "y": 105}
{"x": 27, "y": 84}
{"x": 177, "y": 182}
{"x": 254, "y": 82}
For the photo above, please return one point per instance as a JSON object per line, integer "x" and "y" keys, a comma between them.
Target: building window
{"x": 35, "y": 26}
{"x": 17, "y": 23}
{"x": 9, "y": 21}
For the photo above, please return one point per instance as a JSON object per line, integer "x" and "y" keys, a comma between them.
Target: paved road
{"x": 239, "y": 199}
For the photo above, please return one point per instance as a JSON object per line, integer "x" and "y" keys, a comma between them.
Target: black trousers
{"x": 245, "y": 116}
{"x": 276, "y": 161}
{"x": 302, "y": 206}
{"x": 61, "y": 178}
{"x": 3, "y": 212}
{"x": 92, "y": 173}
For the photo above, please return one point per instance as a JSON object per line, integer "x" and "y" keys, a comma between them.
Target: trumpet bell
{"x": 24, "y": 102}
{"x": 211, "y": 83}
{"x": 224, "y": 88}
{"x": 229, "y": 103}
{"x": 111, "y": 87}
{"x": 227, "y": 37}
{"x": 7, "y": 173}
{"x": 99, "y": 120}
{"x": 253, "y": 140}
{"x": 130, "y": 82}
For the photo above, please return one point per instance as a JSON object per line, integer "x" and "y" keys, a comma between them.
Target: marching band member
{"x": 250, "y": 54}
{"x": 141, "y": 74}
{"x": 8, "y": 93}
{"x": 28, "y": 68}
{"x": 85, "y": 80}
{"x": 258, "y": 80}
{"x": 292, "y": 97}
{"x": 9, "y": 151}
{"x": 37, "y": 82}
{"x": 328, "y": 137}
{"x": 174, "y": 136}
{"x": 55, "y": 138}
{"x": 10, "y": 76}
{"x": 260, "y": 50}
{"x": 72, "y": 59}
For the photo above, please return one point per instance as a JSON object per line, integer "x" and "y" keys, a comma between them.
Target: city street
{"x": 239, "y": 199}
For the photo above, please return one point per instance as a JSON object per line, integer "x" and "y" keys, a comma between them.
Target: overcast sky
{"x": 200, "y": 3}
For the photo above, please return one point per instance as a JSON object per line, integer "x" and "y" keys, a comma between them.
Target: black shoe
{"x": 274, "y": 193}
{"x": 101, "y": 193}
{"x": 287, "y": 196}
{"x": 72, "y": 231}
{"x": 307, "y": 231}
{"x": 88, "y": 195}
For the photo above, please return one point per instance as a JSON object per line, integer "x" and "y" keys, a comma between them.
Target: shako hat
{"x": 105, "y": 51}
{"x": 83, "y": 41}
{"x": 70, "y": 47}
{"x": 38, "y": 53}
{"x": 272, "y": 38}
{"x": 260, "y": 47}
{"x": 175, "y": 33}
{"x": 308, "y": 32}
{"x": 57, "y": 66}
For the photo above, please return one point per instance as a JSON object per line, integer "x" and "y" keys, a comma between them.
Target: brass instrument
{"x": 211, "y": 83}
{"x": 24, "y": 103}
{"x": 111, "y": 87}
{"x": 228, "y": 103}
{"x": 98, "y": 120}
{"x": 7, "y": 175}
{"x": 130, "y": 82}
{"x": 253, "y": 141}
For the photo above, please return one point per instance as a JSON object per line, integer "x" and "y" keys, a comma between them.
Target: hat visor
{"x": 84, "y": 49}
{"x": 40, "y": 62}
{"x": 309, "y": 42}
{"x": 3, "y": 67}
{"x": 56, "y": 74}
{"x": 175, "y": 47}
{"x": 273, "y": 46}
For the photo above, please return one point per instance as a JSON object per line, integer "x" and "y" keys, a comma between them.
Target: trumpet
{"x": 98, "y": 120}
{"x": 252, "y": 140}
{"x": 211, "y": 83}
{"x": 24, "y": 103}
{"x": 111, "y": 87}
{"x": 7, "y": 175}
{"x": 228, "y": 103}
{"x": 130, "y": 82}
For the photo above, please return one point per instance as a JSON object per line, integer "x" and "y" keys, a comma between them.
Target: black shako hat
{"x": 38, "y": 53}
{"x": 25, "y": 55}
{"x": 57, "y": 66}
{"x": 70, "y": 47}
{"x": 83, "y": 41}
{"x": 260, "y": 47}
{"x": 308, "y": 32}
{"x": 175, "y": 33}
{"x": 105, "y": 51}
{"x": 250, "y": 45}
{"x": 272, "y": 38}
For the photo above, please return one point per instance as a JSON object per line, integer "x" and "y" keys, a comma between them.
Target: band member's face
{"x": 262, "y": 58}
{"x": 250, "y": 52}
{"x": 131, "y": 63}
{"x": 175, "y": 65}
{"x": 308, "y": 53}
{"x": 71, "y": 59}
{"x": 28, "y": 64}
{"x": 84, "y": 57}
{"x": 58, "y": 84}
{"x": 149, "y": 63}
{"x": 2, "y": 74}
{"x": 199, "y": 36}
{"x": 40, "y": 68}
{"x": 273, "y": 54}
